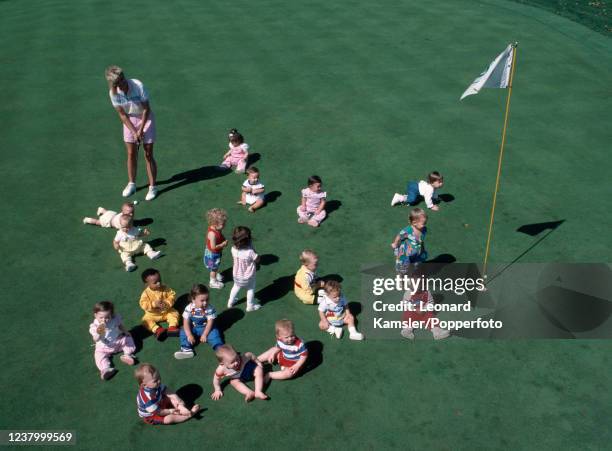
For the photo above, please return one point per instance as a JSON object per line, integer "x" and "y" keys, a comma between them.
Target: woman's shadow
{"x": 189, "y": 177}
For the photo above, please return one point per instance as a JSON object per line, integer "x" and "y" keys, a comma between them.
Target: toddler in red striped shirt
{"x": 245, "y": 260}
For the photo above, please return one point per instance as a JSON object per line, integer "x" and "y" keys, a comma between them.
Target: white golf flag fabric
{"x": 496, "y": 76}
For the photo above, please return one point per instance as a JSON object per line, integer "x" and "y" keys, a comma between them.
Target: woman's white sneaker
{"x": 129, "y": 189}
{"x": 152, "y": 193}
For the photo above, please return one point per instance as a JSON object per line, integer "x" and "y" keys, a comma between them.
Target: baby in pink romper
{"x": 312, "y": 208}
{"x": 237, "y": 154}
{"x": 110, "y": 337}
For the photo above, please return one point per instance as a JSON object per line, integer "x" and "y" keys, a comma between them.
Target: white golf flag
{"x": 496, "y": 76}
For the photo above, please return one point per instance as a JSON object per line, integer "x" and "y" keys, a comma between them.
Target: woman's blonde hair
{"x": 113, "y": 74}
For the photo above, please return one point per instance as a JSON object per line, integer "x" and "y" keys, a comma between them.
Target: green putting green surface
{"x": 365, "y": 95}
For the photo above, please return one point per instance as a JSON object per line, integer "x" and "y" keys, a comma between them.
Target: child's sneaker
{"x": 216, "y": 284}
{"x": 154, "y": 255}
{"x": 129, "y": 189}
{"x": 100, "y": 211}
{"x": 253, "y": 307}
{"x": 338, "y": 332}
{"x": 160, "y": 333}
{"x": 173, "y": 331}
{"x": 183, "y": 354}
{"x": 109, "y": 373}
{"x": 128, "y": 359}
{"x": 130, "y": 266}
{"x": 356, "y": 336}
{"x": 439, "y": 333}
{"x": 397, "y": 199}
{"x": 89, "y": 221}
{"x": 152, "y": 193}
{"x": 219, "y": 277}
{"x": 407, "y": 333}
{"x": 331, "y": 330}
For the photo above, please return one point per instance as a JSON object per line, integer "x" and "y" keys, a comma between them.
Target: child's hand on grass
{"x": 217, "y": 394}
{"x": 203, "y": 339}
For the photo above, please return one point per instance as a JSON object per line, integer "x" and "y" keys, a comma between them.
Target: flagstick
{"x": 499, "y": 164}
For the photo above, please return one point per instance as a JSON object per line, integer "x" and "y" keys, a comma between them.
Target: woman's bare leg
{"x": 151, "y": 164}
{"x": 132, "y": 161}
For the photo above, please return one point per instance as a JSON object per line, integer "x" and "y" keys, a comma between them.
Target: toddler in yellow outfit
{"x": 157, "y": 301}
{"x": 306, "y": 283}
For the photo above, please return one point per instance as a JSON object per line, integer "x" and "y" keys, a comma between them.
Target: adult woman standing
{"x": 131, "y": 100}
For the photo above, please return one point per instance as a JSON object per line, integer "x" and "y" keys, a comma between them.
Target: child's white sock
{"x": 352, "y": 329}
{"x": 331, "y": 329}
{"x": 89, "y": 221}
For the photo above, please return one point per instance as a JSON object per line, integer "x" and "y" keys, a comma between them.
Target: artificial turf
{"x": 363, "y": 94}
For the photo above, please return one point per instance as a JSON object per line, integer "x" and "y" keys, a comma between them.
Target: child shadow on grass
{"x": 142, "y": 222}
{"x": 139, "y": 333}
{"x": 272, "y": 196}
{"x": 315, "y": 357}
{"x": 276, "y": 290}
{"x": 446, "y": 198}
{"x": 224, "y": 321}
{"x": 190, "y": 393}
{"x": 335, "y": 277}
{"x": 331, "y": 206}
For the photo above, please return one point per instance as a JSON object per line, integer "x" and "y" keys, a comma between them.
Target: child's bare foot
{"x": 251, "y": 209}
{"x": 313, "y": 223}
{"x": 182, "y": 410}
{"x": 127, "y": 359}
{"x": 302, "y": 220}
{"x": 261, "y": 395}
{"x": 249, "y": 396}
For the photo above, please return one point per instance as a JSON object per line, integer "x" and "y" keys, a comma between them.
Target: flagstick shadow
{"x": 532, "y": 230}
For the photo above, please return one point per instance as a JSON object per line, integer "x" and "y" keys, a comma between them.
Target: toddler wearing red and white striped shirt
{"x": 245, "y": 260}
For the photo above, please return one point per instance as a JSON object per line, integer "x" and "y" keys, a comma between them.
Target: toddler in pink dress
{"x": 237, "y": 154}
{"x": 312, "y": 208}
